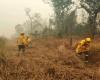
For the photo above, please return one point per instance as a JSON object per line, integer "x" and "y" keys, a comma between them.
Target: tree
{"x": 60, "y": 7}
{"x": 28, "y": 10}
{"x": 19, "y": 28}
{"x": 70, "y": 21}
{"x": 37, "y": 24}
{"x": 93, "y": 8}
{"x": 51, "y": 22}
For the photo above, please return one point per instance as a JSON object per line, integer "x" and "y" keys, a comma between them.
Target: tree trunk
{"x": 70, "y": 35}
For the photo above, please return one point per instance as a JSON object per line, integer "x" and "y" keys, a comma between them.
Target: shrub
{"x": 2, "y": 42}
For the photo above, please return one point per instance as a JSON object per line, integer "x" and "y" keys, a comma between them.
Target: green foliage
{"x": 92, "y": 7}
{"x": 81, "y": 30}
{"x": 2, "y": 42}
{"x": 48, "y": 32}
{"x": 60, "y": 8}
{"x": 34, "y": 24}
{"x": 70, "y": 22}
{"x": 19, "y": 28}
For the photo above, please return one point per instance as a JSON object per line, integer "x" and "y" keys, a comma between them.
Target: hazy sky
{"x": 12, "y": 13}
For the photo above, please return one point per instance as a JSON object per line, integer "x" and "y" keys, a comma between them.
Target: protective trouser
{"x": 84, "y": 55}
{"x": 21, "y": 48}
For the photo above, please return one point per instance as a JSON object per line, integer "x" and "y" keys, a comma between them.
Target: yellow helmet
{"x": 88, "y": 39}
{"x": 22, "y": 33}
{"x": 82, "y": 42}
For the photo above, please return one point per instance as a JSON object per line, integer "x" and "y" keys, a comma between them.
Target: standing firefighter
{"x": 21, "y": 42}
{"x": 83, "y": 48}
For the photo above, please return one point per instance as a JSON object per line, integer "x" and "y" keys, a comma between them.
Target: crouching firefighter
{"x": 21, "y": 43}
{"x": 83, "y": 48}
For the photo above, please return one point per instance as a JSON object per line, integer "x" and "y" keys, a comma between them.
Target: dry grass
{"x": 49, "y": 59}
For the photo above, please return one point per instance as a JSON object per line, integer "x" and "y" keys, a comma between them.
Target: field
{"x": 48, "y": 59}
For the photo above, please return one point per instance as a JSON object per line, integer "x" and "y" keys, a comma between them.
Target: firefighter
{"x": 83, "y": 48}
{"x": 21, "y": 42}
